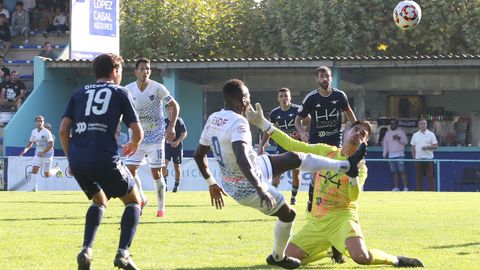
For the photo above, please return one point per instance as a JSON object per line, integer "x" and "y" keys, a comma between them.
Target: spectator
{"x": 13, "y": 91}
{"x": 10, "y": 5}
{"x": 4, "y": 36}
{"x": 4, "y": 75}
{"x": 20, "y": 22}
{"x": 423, "y": 143}
{"x": 41, "y": 15}
{"x": 460, "y": 126}
{"x": 393, "y": 144}
{"x": 28, "y": 5}
{"x": 3, "y": 10}
{"x": 47, "y": 51}
{"x": 59, "y": 23}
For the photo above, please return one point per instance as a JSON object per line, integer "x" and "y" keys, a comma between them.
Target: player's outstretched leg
{"x": 408, "y": 262}
{"x": 355, "y": 159}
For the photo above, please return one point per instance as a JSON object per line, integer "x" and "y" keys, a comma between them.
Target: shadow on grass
{"x": 455, "y": 246}
{"x": 46, "y": 202}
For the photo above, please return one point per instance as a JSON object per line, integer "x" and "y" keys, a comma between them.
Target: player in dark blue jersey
{"x": 283, "y": 117}
{"x": 325, "y": 106}
{"x": 91, "y": 117}
{"x": 174, "y": 149}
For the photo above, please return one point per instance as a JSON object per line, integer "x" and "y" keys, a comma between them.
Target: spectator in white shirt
{"x": 423, "y": 143}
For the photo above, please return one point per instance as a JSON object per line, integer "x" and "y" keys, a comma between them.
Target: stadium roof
{"x": 464, "y": 60}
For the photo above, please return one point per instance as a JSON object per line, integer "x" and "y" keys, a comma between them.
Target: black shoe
{"x": 355, "y": 159}
{"x": 124, "y": 262}
{"x": 287, "y": 262}
{"x": 84, "y": 259}
{"x": 175, "y": 189}
{"x": 293, "y": 201}
{"x": 408, "y": 262}
{"x": 337, "y": 256}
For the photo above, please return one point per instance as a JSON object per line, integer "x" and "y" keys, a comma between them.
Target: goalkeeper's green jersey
{"x": 329, "y": 190}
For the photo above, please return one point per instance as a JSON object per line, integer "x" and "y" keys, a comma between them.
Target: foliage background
{"x": 272, "y": 28}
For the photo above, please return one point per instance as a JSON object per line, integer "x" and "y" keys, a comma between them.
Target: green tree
{"x": 299, "y": 28}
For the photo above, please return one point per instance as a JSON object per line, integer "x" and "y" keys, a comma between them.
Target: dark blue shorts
{"x": 173, "y": 154}
{"x": 114, "y": 178}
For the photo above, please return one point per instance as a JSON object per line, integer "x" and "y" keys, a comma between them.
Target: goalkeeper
{"x": 332, "y": 208}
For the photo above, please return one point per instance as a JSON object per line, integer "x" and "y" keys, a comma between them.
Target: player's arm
{"x": 263, "y": 142}
{"x": 137, "y": 136}
{"x": 180, "y": 127}
{"x": 29, "y": 145}
{"x": 246, "y": 166}
{"x": 170, "y": 131}
{"x": 302, "y": 131}
{"x": 350, "y": 115}
{"x": 216, "y": 192}
{"x": 356, "y": 184}
{"x": 65, "y": 127}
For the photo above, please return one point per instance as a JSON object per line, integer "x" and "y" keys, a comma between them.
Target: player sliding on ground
{"x": 332, "y": 208}
{"x": 246, "y": 177}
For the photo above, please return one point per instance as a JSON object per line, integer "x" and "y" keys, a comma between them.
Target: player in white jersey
{"x": 247, "y": 177}
{"x": 43, "y": 139}
{"x": 149, "y": 97}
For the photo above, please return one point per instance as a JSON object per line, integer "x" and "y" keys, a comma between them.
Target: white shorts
{"x": 43, "y": 162}
{"x": 155, "y": 154}
{"x": 265, "y": 167}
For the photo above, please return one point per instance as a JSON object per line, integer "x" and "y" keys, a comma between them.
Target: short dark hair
{"x": 46, "y": 42}
{"x": 233, "y": 89}
{"x": 393, "y": 120}
{"x": 19, "y": 3}
{"x": 104, "y": 64}
{"x": 323, "y": 69}
{"x": 283, "y": 89}
{"x": 141, "y": 60}
{"x": 365, "y": 124}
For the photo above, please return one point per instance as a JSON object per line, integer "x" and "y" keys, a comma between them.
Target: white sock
{"x": 35, "y": 180}
{"x": 160, "y": 186}
{"x": 282, "y": 232}
{"x": 313, "y": 163}
{"x": 138, "y": 182}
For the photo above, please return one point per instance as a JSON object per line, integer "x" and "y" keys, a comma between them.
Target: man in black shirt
{"x": 13, "y": 91}
{"x": 4, "y": 35}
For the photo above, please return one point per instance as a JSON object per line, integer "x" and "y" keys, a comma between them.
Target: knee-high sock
{"x": 160, "y": 186}
{"x": 140, "y": 189}
{"x": 380, "y": 257}
{"x": 92, "y": 222}
{"x": 313, "y": 163}
{"x": 128, "y": 225}
{"x": 294, "y": 191}
{"x": 35, "y": 177}
{"x": 282, "y": 232}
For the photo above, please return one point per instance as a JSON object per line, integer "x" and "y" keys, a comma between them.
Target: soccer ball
{"x": 407, "y": 14}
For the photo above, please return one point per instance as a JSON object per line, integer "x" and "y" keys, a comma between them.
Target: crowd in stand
{"x": 19, "y": 18}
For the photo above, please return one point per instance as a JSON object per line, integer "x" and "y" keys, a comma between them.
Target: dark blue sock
{"x": 294, "y": 190}
{"x": 92, "y": 222}
{"x": 128, "y": 225}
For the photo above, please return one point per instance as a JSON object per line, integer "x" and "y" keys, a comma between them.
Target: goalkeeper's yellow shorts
{"x": 319, "y": 234}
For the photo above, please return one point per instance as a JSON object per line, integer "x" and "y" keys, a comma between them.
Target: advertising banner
{"x": 95, "y": 28}
{"x": 20, "y": 170}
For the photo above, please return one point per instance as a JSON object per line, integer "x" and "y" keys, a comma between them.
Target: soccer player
{"x": 148, "y": 98}
{"x": 92, "y": 116}
{"x": 174, "y": 149}
{"x": 246, "y": 176}
{"x": 283, "y": 117}
{"x": 332, "y": 217}
{"x": 43, "y": 139}
{"x": 325, "y": 106}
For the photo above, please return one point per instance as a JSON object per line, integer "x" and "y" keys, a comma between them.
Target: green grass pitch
{"x": 44, "y": 230}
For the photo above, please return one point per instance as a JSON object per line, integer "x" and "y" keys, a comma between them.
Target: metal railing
{"x": 437, "y": 163}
